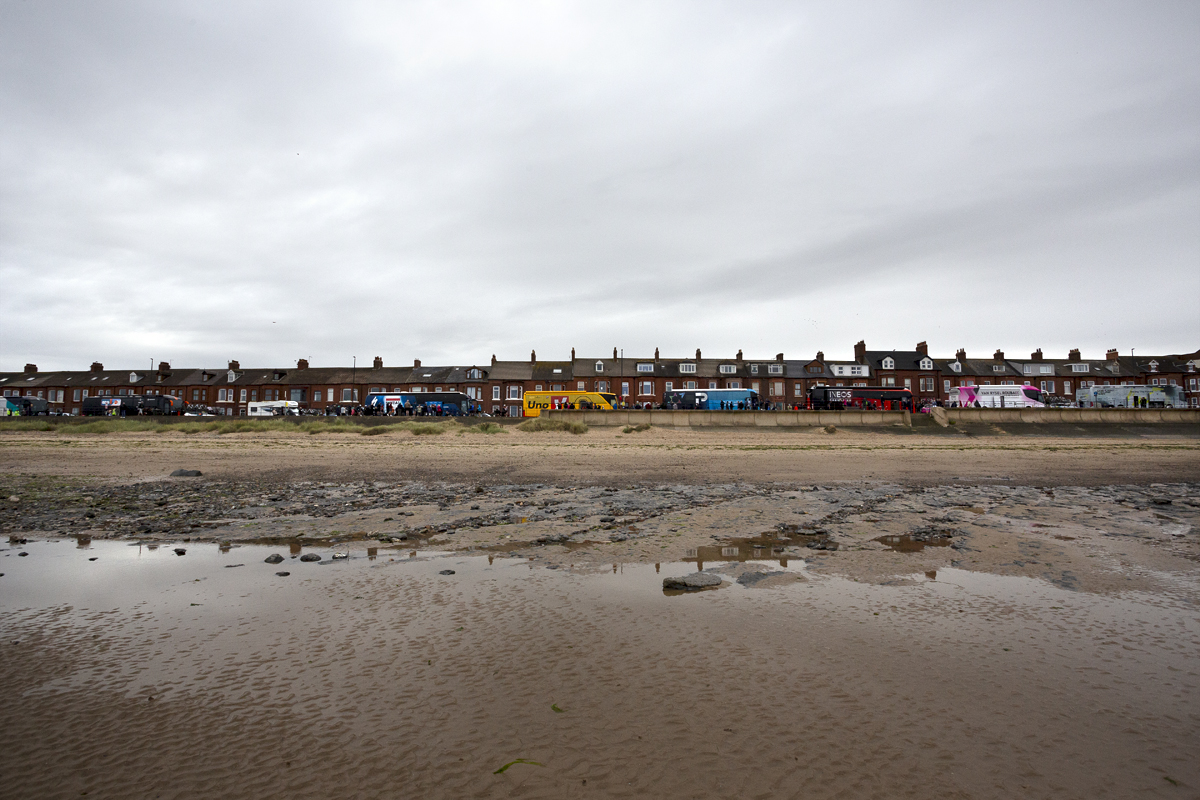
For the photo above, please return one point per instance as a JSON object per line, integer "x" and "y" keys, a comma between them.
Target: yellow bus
{"x": 537, "y": 402}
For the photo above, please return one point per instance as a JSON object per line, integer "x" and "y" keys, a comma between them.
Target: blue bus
{"x": 433, "y": 404}
{"x": 712, "y": 399}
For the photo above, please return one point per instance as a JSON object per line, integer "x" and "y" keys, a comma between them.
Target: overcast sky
{"x": 198, "y": 182}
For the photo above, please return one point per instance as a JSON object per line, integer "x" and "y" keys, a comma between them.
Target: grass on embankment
{"x": 311, "y": 426}
{"x": 539, "y": 424}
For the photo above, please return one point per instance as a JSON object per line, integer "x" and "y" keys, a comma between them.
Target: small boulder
{"x": 310, "y": 557}
{"x": 186, "y": 473}
{"x": 22, "y": 554}
{"x": 93, "y": 558}
{"x": 179, "y": 551}
{"x": 697, "y": 580}
{"x": 14, "y": 498}
{"x": 274, "y": 558}
{"x": 283, "y": 574}
{"x": 446, "y": 572}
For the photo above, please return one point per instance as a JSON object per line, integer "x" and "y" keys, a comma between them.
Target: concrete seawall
{"x": 902, "y": 419}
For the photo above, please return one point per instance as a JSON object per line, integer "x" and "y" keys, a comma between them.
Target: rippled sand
{"x": 146, "y": 674}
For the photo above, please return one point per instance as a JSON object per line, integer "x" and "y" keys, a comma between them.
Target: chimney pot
{"x": 493, "y": 359}
{"x": 572, "y": 353}
{"x": 1074, "y": 356}
{"x": 923, "y": 348}
{"x": 820, "y": 357}
{"x": 30, "y": 369}
{"x": 614, "y": 354}
{"x": 779, "y": 356}
{"x": 1111, "y": 355}
{"x": 656, "y": 354}
{"x": 302, "y": 363}
{"x": 163, "y": 366}
{"x": 97, "y": 366}
{"x": 416, "y": 363}
{"x": 235, "y": 366}
{"x": 961, "y": 355}
{"x": 739, "y": 355}
{"x": 1036, "y": 355}
{"x": 998, "y": 355}
{"x": 378, "y": 363}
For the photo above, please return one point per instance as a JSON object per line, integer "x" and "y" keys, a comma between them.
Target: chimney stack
{"x": 163, "y": 368}
{"x": 1036, "y": 355}
{"x": 416, "y": 363}
{"x": 820, "y": 357}
{"x": 697, "y": 353}
{"x": 739, "y": 355}
{"x": 235, "y": 366}
{"x": 961, "y": 355}
{"x": 97, "y": 366}
{"x": 779, "y": 357}
{"x": 302, "y": 363}
{"x": 31, "y": 369}
{"x": 572, "y": 354}
{"x": 533, "y": 356}
{"x": 860, "y": 352}
{"x": 377, "y": 363}
{"x": 493, "y": 359}
{"x": 998, "y": 355}
{"x": 1074, "y": 356}
{"x": 614, "y": 354}
{"x": 656, "y": 354}
{"x": 923, "y": 348}
{"x": 1111, "y": 355}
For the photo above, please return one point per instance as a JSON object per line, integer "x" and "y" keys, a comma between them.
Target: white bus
{"x": 274, "y": 408}
{"x": 1131, "y": 397}
{"x": 1000, "y": 397}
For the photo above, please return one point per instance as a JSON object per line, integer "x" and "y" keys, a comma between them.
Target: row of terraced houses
{"x": 498, "y": 386}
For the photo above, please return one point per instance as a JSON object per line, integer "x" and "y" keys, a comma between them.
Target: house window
{"x": 601, "y": 386}
{"x": 646, "y": 387}
{"x": 195, "y": 394}
{"x": 474, "y": 374}
{"x": 1048, "y": 386}
{"x": 558, "y": 387}
{"x": 301, "y": 395}
{"x": 599, "y": 366}
{"x": 514, "y": 393}
{"x": 579, "y": 386}
{"x": 687, "y": 368}
{"x": 1191, "y": 387}
{"x": 997, "y": 368}
{"x": 243, "y": 395}
{"x": 329, "y": 395}
{"x": 777, "y": 388}
{"x": 798, "y": 390}
{"x": 775, "y": 369}
{"x": 1080, "y": 367}
{"x": 969, "y": 382}
{"x": 624, "y": 388}
{"x": 669, "y": 386}
{"x": 346, "y": 396}
{"x": 732, "y": 385}
{"x": 537, "y": 387}
{"x": 77, "y": 393}
{"x": 645, "y": 368}
{"x": 926, "y": 363}
{"x": 889, "y": 363}
{"x": 927, "y": 384}
{"x": 887, "y": 381}
{"x": 1028, "y": 368}
{"x": 754, "y": 369}
{"x": 692, "y": 384}
{"x": 253, "y": 395}
{"x": 495, "y": 392}
{"x": 908, "y": 384}
{"x": 1066, "y": 387}
{"x": 712, "y": 384}
{"x": 727, "y": 369}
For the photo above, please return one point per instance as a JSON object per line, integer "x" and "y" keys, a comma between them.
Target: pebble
{"x": 283, "y": 574}
{"x": 14, "y": 498}
{"x": 179, "y": 551}
{"x": 274, "y": 558}
{"x": 446, "y": 572}
{"x": 22, "y": 554}
{"x": 310, "y": 557}
{"x": 93, "y": 558}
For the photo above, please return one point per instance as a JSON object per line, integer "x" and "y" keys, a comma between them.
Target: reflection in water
{"x": 294, "y": 548}
{"x": 914, "y": 542}
{"x": 372, "y": 553}
{"x": 770, "y": 546}
{"x": 931, "y": 574}
{"x": 83, "y": 541}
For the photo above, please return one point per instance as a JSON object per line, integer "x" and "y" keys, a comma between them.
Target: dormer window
{"x": 688, "y": 368}
{"x": 889, "y": 363}
{"x": 997, "y": 368}
{"x": 134, "y": 377}
{"x": 956, "y": 366}
{"x": 599, "y": 366}
{"x": 1154, "y": 366}
{"x": 474, "y": 374}
{"x": 1080, "y": 367}
{"x": 645, "y": 368}
{"x": 775, "y": 369}
{"x": 926, "y": 363}
{"x": 727, "y": 369}
{"x": 231, "y": 376}
{"x": 277, "y": 376}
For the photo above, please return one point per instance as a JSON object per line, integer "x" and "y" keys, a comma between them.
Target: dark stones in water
{"x": 283, "y": 574}
{"x": 179, "y": 551}
{"x": 186, "y": 473}
{"x": 446, "y": 572}
{"x": 751, "y": 578}
{"x": 310, "y": 557}
{"x": 93, "y": 558}
{"x": 690, "y": 583}
{"x": 274, "y": 558}
{"x": 22, "y": 554}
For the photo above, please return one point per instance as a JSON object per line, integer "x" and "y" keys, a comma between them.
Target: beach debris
{"x": 283, "y": 574}
{"x": 697, "y": 580}
{"x": 22, "y": 553}
{"x": 446, "y": 572}
{"x": 336, "y": 556}
{"x": 310, "y": 557}
{"x": 554, "y": 707}
{"x": 179, "y": 551}
{"x": 274, "y": 558}
{"x": 518, "y": 761}
{"x": 186, "y": 473}
{"x": 12, "y": 498}
{"x": 17, "y": 540}
{"x": 231, "y": 566}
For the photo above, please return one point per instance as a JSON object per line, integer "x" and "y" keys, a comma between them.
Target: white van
{"x": 274, "y": 408}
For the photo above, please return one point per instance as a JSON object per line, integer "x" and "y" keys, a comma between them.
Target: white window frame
{"x": 775, "y": 369}
{"x": 599, "y": 366}
{"x": 643, "y": 367}
{"x": 727, "y": 369}
{"x": 888, "y": 363}
{"x": 645, "y": 388}
{"x": 496, "y": 392}
{"x": 688, "y": 368}
{"x": 514, "y": 392}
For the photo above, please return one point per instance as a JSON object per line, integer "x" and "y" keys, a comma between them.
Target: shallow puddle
{"x": 910, "y": 543}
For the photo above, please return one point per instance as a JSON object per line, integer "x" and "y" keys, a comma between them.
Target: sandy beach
{"x": 897, "y": 616}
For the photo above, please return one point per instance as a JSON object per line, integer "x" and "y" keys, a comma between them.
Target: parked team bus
{"x": 1131, "y": 397}
{"x": 537, "y": 402}
{"x": 712, "y": 399}
{"x": 1000, "y": 397}
{"x": 437, "y": 404}
{"x": 132, "y": 405}
{"x": 273, "y": 408}
{"x": 25, "y": 407}
{"x": 880, "y": 398}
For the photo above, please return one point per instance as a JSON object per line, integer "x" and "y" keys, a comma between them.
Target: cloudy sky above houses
{"x": 198, "y": 182}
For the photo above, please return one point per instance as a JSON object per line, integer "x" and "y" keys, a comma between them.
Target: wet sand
{"x": 888, "y": 667}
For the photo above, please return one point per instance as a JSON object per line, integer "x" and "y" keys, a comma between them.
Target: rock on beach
{"x": 697, "y": 580}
